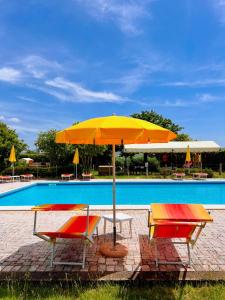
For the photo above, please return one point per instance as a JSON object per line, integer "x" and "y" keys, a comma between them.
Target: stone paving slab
{"x": 23, "y": 255}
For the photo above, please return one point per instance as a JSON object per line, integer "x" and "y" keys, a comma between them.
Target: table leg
{"x": 104, "y": 226}
{"x": 130, "y": 228}
{"x": 120, "y": 227}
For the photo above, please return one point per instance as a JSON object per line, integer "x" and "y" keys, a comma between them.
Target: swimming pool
{"x": 127, "y": 193}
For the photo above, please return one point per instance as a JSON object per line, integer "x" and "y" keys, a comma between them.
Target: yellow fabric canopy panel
{"x": 188, "y": 154}
{"x": 12, "y": 157}
{"x": 76, "y": 157}
{"x": 114, "y": 130}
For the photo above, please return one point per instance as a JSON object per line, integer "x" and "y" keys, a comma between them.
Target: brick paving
{"x": 24, "y": 255}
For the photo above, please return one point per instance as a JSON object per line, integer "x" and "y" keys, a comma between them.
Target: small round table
{"x": 120, "y": 218}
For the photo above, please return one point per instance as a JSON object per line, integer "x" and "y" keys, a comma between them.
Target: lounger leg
{"x": 130, "y": 228}
{"x": 156, "y": 254}
{"x": 84, "y": 255}
{"x": 104, "y": 226}
{"x": 53, "y": 253}
{"x": 189, "y": 254}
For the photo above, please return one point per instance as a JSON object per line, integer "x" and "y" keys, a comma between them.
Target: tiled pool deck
{"x": 24, "y": 256}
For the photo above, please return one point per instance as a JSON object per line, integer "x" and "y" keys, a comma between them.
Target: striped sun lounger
{"x": 77, "y": 227}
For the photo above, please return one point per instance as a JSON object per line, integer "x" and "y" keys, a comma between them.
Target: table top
{"x": 59, "y": 207}
{"x": 119, "y": 217}
{"x": 180, "y": 212}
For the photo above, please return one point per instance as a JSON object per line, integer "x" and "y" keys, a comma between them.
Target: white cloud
{"x": 39, "y": 67}
{"x": 22, "y": 129}
{"x": 73, "y": 92}
{"x": 219, "y": 6}
{"x": 10, "y": 75}
{"x": 143, "y": 66}
{"x": 205, "y": 98}
{"x": 126, "y": 14}
{"x": 28, "y": 99}
{"x": 10, "y": 119}
{"x": 196, "y": 83}
{"x": 196, "y": 100}
{"x": 14, "y": 120}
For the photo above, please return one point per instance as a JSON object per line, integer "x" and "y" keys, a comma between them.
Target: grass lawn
{"x": 109, "y": 291}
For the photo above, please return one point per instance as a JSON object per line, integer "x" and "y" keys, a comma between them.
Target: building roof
{"x": 176, "y": 147}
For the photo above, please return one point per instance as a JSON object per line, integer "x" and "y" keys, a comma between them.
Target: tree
{"x": 9, "y": 137}
{"x": 157, "y": 119}
{"x": 62, "y": 154}
{"x": 183, "y": 137}
{"x": 57, "y": 154}
{"x": 87, "y": 153}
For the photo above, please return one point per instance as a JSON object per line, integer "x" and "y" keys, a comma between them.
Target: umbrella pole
{"x": 114, "y": 194}
{"x": 76, "y": 171}
{"x": 13, "y": 171}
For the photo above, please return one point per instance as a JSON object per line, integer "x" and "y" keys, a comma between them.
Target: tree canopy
{"x": 62, "y": 154}
{"x": 57, "y": 154}
{"x": 153, "y": 117}
{"x": 9, "y": 137}
{"x": 182, "y": 137}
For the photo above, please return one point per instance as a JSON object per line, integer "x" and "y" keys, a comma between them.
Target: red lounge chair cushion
{"x": 75, "y": 227}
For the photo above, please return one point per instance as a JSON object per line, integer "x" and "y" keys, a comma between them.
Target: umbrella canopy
{"x": 188, "y": 155}
{"x": 12, "y": 157}
{"x": 76, "y": 160}
{"x": 114, "y": 130}
{"x": 76, "y": 157}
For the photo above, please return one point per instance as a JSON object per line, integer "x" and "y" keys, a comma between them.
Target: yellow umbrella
{"x": 12, "y": 157}
{"x": 114, "y": 130}
{"x": 76, "y": 159}
{"x": 188, "y": 155}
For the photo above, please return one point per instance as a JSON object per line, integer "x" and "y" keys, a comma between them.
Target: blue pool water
{"x": 128, "y": 193}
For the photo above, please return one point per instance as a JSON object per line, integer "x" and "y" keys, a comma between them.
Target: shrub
{"x": 153, "y": 164}
{"x": 120, "y": 161}
{"x": 199, "y": 170}
{"x": 180, "y": 170}
{"x": 210, "y": 172}
{"x": 165, "y": 172}
{"x": 137, "y": 160}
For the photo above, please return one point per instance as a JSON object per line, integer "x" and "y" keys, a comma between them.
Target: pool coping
{"x": 109, "y": 207}
{"x": 139, "y": 275}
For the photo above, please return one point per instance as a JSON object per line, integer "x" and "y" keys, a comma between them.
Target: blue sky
{"x": 66, "y": 61}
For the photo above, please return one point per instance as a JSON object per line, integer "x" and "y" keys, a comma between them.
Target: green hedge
{"x": 195, "y": 170}
{"x": 40, "y": 172}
